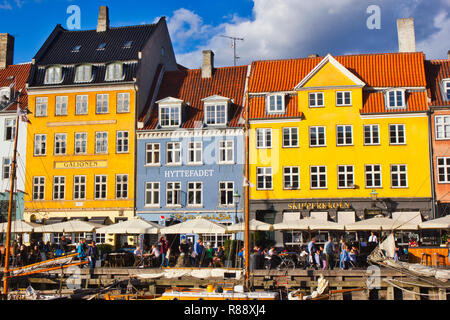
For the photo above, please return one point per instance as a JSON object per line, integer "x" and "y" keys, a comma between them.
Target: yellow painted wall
{"x": 117, "y": 163}
{"x": 414, "y": 154}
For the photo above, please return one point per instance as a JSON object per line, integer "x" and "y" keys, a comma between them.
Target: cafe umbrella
{"x": 132, "y": 226}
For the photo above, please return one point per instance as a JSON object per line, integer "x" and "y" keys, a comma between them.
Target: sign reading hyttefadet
{"x": 188, "y": 173}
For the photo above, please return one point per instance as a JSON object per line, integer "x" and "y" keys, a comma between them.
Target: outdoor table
{"x": 434, "y": 256}
{"x": 117, "y": 259}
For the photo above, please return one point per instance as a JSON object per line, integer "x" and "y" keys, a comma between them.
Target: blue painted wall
{"x": 210, "y": 173}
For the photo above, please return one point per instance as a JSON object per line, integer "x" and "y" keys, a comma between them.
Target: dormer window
{"x": 5, "y": 96}
{"x": 446, "y": 84}
{"x": 169, "y": 116}
{"x": 216, "y": 114}
{"x": 395, "y": 99}
{"x": 275, "y": 103}
{"x": 101, "y": 46}
{"x": 127, "y": 44}
{"x": 83, "y": 73}
{"x": 76, "y": 48}
{"x": 53, "y": 75}
{"x": 114, "y": 71}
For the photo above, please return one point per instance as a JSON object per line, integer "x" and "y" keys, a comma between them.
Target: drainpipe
{"x": 430, "y": 146}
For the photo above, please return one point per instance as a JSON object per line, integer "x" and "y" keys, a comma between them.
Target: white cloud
{"x": 280, "y": 29}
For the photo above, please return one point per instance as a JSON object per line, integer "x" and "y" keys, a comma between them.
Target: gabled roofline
{"x": 334, "y": 62}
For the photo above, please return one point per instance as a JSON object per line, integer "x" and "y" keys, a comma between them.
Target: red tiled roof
{"x": 376, "y": 70}
{"x": 257, "y": 107}
{"x": 189, "y": 86}
{"x": 373, "y": 102}
{"x": 20, "y": 72}
{"x": 436, "y": 71}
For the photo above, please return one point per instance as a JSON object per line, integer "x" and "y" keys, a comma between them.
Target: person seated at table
{"x": 155, "y": 255}
{"x": 138, "y": 251}
{"x": 137, "y": 256}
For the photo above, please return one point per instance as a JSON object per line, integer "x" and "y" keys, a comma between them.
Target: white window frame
{"x": 227, "y": 189}
{"x": 397, "y": 104}
{"x": 79, "y": 187}
{"x": 226, "y": 151}
{"x": 318, "y": 175}
{"x": 152, "y": 194}
{"x": 101, "y": 142}
{"x": 173, "y": 187}
{"x": 114, "y": 71}
{"x": 60, "y": 144}
{"x": 289, "y": 174}
{"x": 442, "y": 125}
{"x": 53, "y": 75}
{"x": 446, "y": 91}
{"x": 41, "y": 106}
{"x": 10, "y": 129}
{"x": 102, "y": 103}
{"x": 123, "y": 102}
{"x": 59, "y": 182}
{"x": 396, "y": 172}
{"x": 371, "y": 134}
{"x": 150, "y": 153}
{"x": 100, "y": 186}
{"x": 263, "y": 138}
{"x": 276, "y": 103}
{"x": 372, "y": 172}
{"x": 344, "y": 173}
{"x": 81, "y": 104}
{"x": 83, "y": 73}
{"x": 290, "y": 132}
{"x": 122, "y": 186}
{"x": 193, "y": 187}
{"x": 175, "y": 150}
{"x": 80, "y": 143}
{"x": 61, "y": 103}
{"x": 315, "y": 99}
{"x": 344, "y": 135}
{"x": 195, "y": 152}
{"x": 396, "y": 132}
{"x": 40, "y": 145}
{"x": 445, "y": 167}
{"x": 38, "y": 188}
{"x": 173, "y": 118}
{"x": 213, "y": 114}
{"x": 266, "y": 174}
{"x": 343, "y": 98}
{"x": 316, "y": 129}
{"x": 6, "y": 168}
{"x": 122, "y": 142}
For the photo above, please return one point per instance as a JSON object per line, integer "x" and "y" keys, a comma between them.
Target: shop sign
{"x": 81, "y": 164}
{"x": 319, "y": 205}
{"x": 214, "y": 216}
{"x": 188, "y": 173}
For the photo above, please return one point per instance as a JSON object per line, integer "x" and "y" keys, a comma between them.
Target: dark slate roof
{"x": 58, "y": 49}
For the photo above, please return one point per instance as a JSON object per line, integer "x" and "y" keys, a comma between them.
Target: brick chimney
{"x": 103, "y": 19}
{"x": 6, "y": 50}
{"x": 406, "y": 36}
{"x": 208, "y": 64}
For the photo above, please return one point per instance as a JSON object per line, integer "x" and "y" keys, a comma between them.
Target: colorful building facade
{"x": 190, "y": 158}
{"x": 340, "y": 138}
{"x": 438, "y": 83}
{"x": 86, "y": 89}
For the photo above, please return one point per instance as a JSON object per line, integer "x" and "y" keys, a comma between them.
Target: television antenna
{"x": 233, "y": 44}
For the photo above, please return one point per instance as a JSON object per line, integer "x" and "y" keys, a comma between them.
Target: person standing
{"x": 311, "y": 252}
{"x": 164, "y": 247}
{"x": 329, "y": 253}
{"x": 184, "y": 249}
{"x": 373, "y": 238}
{"x": 81, "y": 250}
{"x": 92, "y": 254}
{"x": 345, "y": 258}
{"x": 198, "y": 252}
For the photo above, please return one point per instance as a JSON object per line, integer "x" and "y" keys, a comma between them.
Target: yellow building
{"x": 329, "y": 135}
{"x": 86, "y": 91}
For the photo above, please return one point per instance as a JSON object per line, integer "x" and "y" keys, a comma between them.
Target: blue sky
{"x": 272, "y": 29}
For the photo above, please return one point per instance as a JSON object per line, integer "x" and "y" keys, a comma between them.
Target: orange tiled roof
{"x": 189, "y": 86}
{"x": 373, "y": 102}
{"x": 376, "y": 70}
{"x": 436, "y": 71}
{"x": 20, "y": 72}
{"x": 258, "y": 110}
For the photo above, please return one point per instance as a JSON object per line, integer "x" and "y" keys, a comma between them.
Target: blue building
{"x": 190, "y": 148}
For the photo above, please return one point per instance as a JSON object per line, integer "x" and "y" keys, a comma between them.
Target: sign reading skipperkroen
{"x": 81, "y": 164}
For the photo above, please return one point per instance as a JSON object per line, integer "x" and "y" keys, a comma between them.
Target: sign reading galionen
{"x": 81, "y": 164}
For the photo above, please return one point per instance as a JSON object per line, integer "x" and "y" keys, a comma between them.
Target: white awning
{"x": 19, "y": 226}
{"x": 439, "y": 223}
{"x": 290, "y": 216}
{"x": 319, "y": 215}
{"x": 198, "y": 226}
{"x": 133, "y": 226}
{"x": 255, "y": 225}
{"x": 68, "y": 226}
{"x": 346, "y": 217}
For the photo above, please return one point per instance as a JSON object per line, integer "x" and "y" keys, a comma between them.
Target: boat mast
{"x": 246, "y": 192}
{"x": 11, "y": 192}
